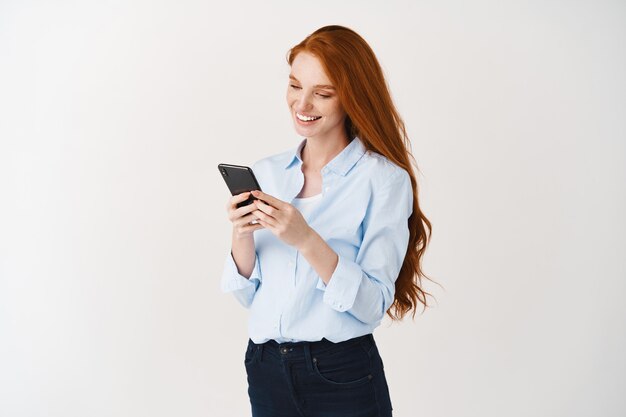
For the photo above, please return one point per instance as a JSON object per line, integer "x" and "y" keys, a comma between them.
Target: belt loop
{"x": 261, "y": 346}
{"x": 307, "y": 356}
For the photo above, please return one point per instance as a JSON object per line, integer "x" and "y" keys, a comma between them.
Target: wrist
{"x": 248, "y": 237}
{"x": 307, "y": 243}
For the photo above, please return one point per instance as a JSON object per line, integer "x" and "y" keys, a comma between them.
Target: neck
{"x": 319, "y": 152}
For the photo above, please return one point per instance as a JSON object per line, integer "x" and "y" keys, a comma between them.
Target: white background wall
{"x": 113, "y": 231}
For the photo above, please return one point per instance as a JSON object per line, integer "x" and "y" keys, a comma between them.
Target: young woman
{"x": 338, "y": 243}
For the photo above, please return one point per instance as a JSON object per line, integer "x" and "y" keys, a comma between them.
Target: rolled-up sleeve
{"x": 243, "y": 288}
{"x": 365, "y": 287}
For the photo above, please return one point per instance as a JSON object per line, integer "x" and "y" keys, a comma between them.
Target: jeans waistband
{"x": 307, "y": 348}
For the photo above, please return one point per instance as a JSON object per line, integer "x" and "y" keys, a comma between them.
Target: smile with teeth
{"x": 307, "y": 118}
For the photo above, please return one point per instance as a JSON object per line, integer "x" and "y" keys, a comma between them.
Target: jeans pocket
{"x": 345, "y": 368}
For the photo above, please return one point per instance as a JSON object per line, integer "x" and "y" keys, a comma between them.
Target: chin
{"x": 304, "y": 134}
{"x": 304, "y": 131}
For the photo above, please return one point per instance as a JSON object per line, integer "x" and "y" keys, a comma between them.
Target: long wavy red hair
{"x": 358, "y": 79}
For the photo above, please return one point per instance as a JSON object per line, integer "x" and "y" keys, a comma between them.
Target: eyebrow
{"x": 326, "y": 86}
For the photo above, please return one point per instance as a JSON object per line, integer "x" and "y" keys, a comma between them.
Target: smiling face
{"x": 313, "y": 101}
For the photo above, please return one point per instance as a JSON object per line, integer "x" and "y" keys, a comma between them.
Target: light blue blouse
{"x": 362, "y": 215}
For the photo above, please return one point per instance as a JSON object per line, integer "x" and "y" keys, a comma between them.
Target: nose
{"x": 303, "y": 103}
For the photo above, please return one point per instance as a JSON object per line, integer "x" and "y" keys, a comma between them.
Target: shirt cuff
{"x": 343, "y": 286}
{"x": 232, "y": 280}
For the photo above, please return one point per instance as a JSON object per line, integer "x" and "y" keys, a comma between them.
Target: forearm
{"x": 319, "y": 255}
{"x": 244, "y": 255}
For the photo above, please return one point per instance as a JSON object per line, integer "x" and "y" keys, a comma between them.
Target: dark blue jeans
{"x": 317, "y": 379}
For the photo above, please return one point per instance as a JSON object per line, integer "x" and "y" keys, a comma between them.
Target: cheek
{"x": 337, "y": 111}
{"x": 291, "y": 96}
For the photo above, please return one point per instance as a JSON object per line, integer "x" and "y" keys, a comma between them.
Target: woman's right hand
{"x": 241, "y": 217}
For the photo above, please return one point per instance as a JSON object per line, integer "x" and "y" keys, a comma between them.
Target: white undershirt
{"x": 306, "y": 204}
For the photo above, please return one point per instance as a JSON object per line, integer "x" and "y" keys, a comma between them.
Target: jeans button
{"x": 283, "y": 350}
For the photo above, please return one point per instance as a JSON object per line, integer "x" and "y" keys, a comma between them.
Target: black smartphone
{"x": 239, "y": 179}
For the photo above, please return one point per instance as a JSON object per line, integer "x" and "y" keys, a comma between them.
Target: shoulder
{"x": 382, "y": 172}
{"x": 391, "y": 188}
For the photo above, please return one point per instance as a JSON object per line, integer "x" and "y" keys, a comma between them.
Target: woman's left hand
{"x": 282, "y": 219}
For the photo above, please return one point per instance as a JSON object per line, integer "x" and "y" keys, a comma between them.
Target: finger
{"x": 266, "y": 225}
{"x": 239, "y": 198}
{"x": 245, "y": 220}
{"x": 236, "y": 213}
{"x": 265, "y": 218}
{"x": 266, "y": 208}
{"x": 273, "y": 201}
{"x": 243, "y": 210}
{"x": 240, "y": 211}
{"x": 251, "y": 228}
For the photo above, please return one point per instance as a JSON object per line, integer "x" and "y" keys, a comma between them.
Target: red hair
{"x": 362, "y": 90}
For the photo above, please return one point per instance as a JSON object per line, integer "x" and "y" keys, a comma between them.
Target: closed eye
{"x": 295, "y": 87}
